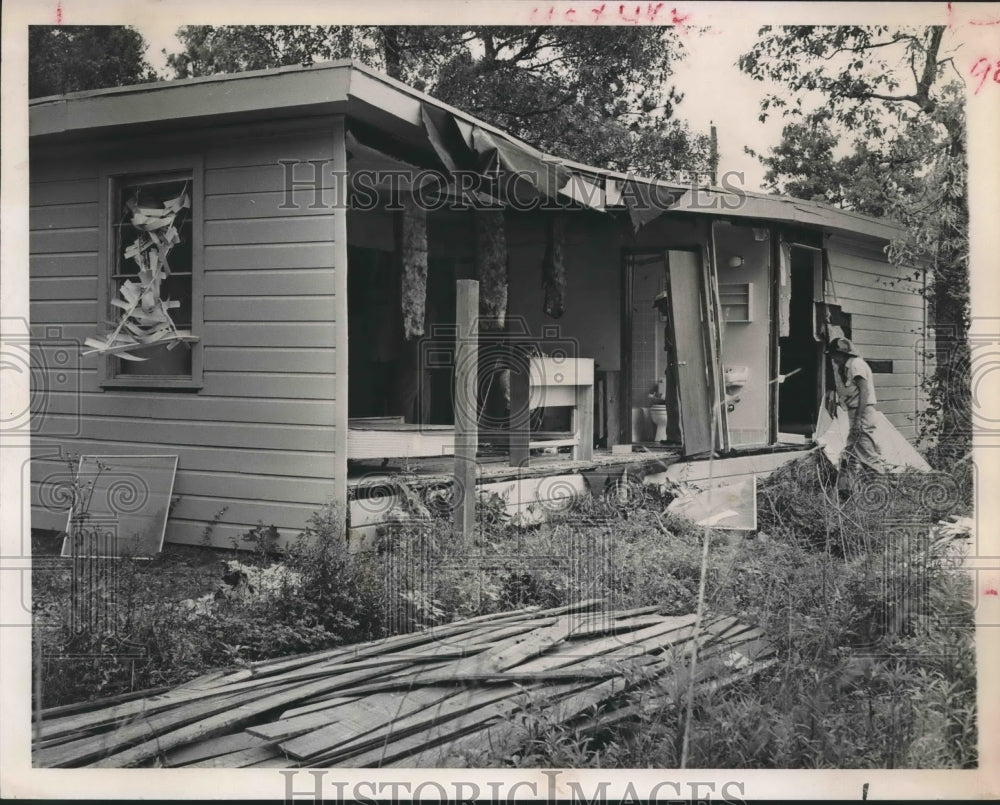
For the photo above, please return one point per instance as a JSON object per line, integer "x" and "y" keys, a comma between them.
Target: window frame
{"x": 113, "y": 176}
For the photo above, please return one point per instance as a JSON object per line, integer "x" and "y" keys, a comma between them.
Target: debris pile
{"x": 451, "y": 695}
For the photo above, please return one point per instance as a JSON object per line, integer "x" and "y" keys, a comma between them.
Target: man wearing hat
{"x": 856, "y": 392}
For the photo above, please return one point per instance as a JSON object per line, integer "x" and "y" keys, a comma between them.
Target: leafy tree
{"x": 71, "y": 58}
{"x": 593, "y": 94}
{"x": 896, "y": 97}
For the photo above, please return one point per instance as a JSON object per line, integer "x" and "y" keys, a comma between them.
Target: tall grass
{"x": 875, "y": 666}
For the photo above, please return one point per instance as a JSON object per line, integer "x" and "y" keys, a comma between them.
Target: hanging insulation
{"x": 491, "y": 267}
{"x": 554, "y": 267}
{"x": 413, "y": 237}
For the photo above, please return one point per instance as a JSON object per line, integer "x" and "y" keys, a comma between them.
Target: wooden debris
{"x": 445, "y": 696}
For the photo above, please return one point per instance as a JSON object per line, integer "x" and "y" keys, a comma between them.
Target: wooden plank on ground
{"x": 85, "y": 749}
{"x": 239, "y": 760}
{"x": 466, "y": 711}
{"x": 231, "y": 717}
{"x": 319, "y": 703}
{"x": 362, "y": 717}
{"x": 505, "y": 735}
{"x": 424, "y": 748}
{"x": 212, "y": 747}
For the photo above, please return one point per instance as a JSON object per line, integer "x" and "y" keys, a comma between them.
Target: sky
{"x": 709, "y": 65}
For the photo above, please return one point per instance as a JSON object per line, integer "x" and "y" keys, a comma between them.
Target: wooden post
{"x": 466, "y": 408}
{"x": 520, "y": 418}
{"x": 583, "y": 423}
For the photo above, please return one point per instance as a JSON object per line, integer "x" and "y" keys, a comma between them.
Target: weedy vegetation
{"x": 865, "y": 601}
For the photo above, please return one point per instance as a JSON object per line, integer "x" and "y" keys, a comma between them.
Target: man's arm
{"x": 864, "y": 398}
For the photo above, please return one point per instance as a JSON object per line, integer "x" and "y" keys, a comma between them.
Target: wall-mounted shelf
{"x": 736, "y": 299}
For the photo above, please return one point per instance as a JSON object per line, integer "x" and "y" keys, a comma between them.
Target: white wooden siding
{"x": 261, "y": 435}
{"x": 887, "y": 320}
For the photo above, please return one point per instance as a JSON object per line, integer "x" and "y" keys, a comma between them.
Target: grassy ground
{"x": 870, "y": 673}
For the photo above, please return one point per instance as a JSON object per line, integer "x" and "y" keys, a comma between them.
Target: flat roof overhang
{"x": 394, "y": 109}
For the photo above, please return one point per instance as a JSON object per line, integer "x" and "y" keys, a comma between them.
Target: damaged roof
{"x": 418, "y": 123}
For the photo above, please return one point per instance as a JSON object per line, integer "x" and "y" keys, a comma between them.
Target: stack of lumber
{"x": 452, "y": 695}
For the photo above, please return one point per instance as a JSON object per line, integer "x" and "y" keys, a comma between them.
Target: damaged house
{"x": 266, "y": 275}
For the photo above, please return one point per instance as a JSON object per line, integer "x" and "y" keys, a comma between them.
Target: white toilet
{"x": 658, "y": 416}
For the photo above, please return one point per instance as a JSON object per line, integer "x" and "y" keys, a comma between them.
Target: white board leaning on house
{"x": 122, "y": 506}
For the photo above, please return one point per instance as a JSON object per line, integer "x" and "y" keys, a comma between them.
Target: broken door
{"x": 687, "y": 318}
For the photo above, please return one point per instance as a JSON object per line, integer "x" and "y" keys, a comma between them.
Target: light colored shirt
{"x": 848, "y": 391}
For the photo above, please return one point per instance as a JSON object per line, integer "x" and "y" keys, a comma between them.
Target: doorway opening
{"x": 391, "y": 376}
{"x": 800, "y": 352}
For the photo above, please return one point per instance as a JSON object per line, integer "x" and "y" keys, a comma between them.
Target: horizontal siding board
{"x": 284, "y": 463}
{"x": 270, "y": 282}
{"x": 869, "y": 275}
{"x": 881, "y": 295}
{"x": 874, "y": 324}
{"x": 876, "y": 338}
{"x": 857, "y": 245}
{"x": 298, "y": 361}
{"x": 901, "y": 313}
{"x": 247, "y": 513}
{"x": 265, "y": 205}
{"x": 270, "y": 177}
{"x": 884, "y": 352}
{"x": 63, "y": 265}
{"x": 267, "y": 150}
{"x": 53, "y": 164}
{"x": 209, "y": 434}
{"x": 271, "y": 385}
{"x": 49, "y": 241}
{"x": 260, "y": 435}
{"x": 233, "y": 486}
{"x": 896, "y": 406}
{"x": 142, "y": 405}
{"x": 81, "y": 191}
{"x": 188, "y": 532}
{"x": 269, "y": 334}
{"x": 64, "y": 311}
{"x": 280, "y": 255}
{"x": 301, "y": 229}
{"x": 83, "y": 289}
{"x": 192, "y": 506}
{"x": 225, "y": 535}
{"x": 267, "y": 308}
{"x": 63, "y": 216}
{"x": 70, "y": 332}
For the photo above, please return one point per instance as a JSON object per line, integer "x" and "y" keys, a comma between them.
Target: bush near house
{"x": 869, "y": 675}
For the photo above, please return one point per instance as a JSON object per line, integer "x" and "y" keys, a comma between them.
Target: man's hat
{"x": 841, "y": 345}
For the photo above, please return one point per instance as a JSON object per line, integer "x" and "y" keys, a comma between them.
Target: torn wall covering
{"x": 414, "y": 255}
{"x": 554, "y": 267}
{"x": 491, "y": 267}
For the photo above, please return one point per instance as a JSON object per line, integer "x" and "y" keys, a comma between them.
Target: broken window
{"x": 150, "y": 333}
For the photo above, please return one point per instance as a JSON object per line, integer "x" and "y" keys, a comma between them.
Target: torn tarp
{"x": 646, "y": 201}
{"x": 547, "y": 176}
{"x": 447, "y": 140}
{"x": 897, "y": 454}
